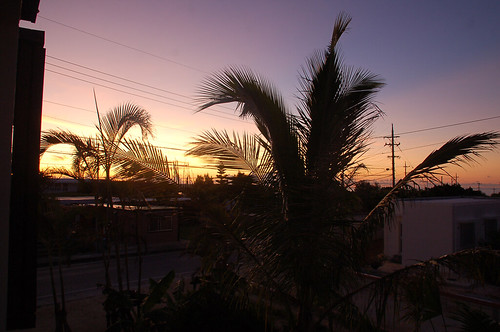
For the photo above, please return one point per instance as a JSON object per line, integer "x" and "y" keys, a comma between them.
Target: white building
{"x": 432, "y": 227}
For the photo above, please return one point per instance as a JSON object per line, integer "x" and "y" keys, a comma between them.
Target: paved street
{"x": 81, "y": 279}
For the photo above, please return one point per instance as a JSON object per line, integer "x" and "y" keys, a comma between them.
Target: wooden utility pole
{"x": 393, "y": 144}
{"x": 406, "y": 168}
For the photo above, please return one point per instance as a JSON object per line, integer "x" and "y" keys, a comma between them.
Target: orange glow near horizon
{"x": 157, "y": 54}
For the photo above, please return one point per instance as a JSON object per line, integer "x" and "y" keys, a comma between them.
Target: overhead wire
{"x": 127, "y": 79}
{"x": 443, "y": 126}
{"x": 116, "y": 76}
{"x": 124, "y": 45}
{"x": 96, "y": 139}
{"x": 140, "y": 96}
{"x": 133, "y": 88}
{"x": 449, "y": 125}
{"x": 115, "y": 83}
{"x": 87, "y": 110}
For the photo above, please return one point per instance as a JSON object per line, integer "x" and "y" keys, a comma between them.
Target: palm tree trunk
{"x": 105, "y": 256}
{"x": 118, "y": 264}
{"x": 305, "y": 321}
{"x": 126, "y": 263}
{"x": 139, "y": 251}
{"x": 62, "y": 319}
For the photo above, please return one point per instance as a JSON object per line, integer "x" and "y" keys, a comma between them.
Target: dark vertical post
{"x": 10, "y": 12}
{"x": 21, "y": 295}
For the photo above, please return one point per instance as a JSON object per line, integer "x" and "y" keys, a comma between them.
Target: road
{"x": 81, "y": 280}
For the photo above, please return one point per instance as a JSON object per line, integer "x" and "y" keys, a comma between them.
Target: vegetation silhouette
{"x": 292, "y": 249}
{"x": 112, "y": 154}
{"x": 299, "y": 247}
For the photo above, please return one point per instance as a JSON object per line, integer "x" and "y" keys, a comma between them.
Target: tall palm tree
{"x": 305, "y": 248}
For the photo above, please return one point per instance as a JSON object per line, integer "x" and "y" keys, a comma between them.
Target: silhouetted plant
{"x": 54, "y": 231}
{"x": 473, "y": 320}
{"x": 304, "y": 250}
{"x": 112, "y": 154}
{"x": 211, "y": 306}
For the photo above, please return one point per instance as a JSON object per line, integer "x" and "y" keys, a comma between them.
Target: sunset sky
{"x": 440, "y": 61}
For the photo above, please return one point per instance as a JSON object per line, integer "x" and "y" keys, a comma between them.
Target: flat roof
{"x": 453, "y": 200}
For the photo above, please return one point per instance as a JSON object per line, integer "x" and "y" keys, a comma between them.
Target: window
{"x": 159, "y": 223}
{"x": 467, "y": 235}
{"x": 490, "y": 226}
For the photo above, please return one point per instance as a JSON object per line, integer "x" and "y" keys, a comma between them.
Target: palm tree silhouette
{"x": 305, "y": 249}
{"x": 100, "y": 152}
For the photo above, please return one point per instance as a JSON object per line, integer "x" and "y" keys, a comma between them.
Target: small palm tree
{"x": 305, "y": 249}
{"x": 101, "y": 152}
{"x": 111, "y": 153}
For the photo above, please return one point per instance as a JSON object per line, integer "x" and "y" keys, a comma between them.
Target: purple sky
{"x": 439, "y": 59}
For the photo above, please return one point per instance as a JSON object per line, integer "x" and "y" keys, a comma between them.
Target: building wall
{"x": 156, "y": 228}
{"x": 392, "y": 233}
{"x": 429, "y": 228}
{"x": 478, "y": 214}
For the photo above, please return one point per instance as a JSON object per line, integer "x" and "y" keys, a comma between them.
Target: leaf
{"x": 158, "y": 291}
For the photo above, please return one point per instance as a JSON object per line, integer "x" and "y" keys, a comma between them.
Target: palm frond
{"x": 53, "y": 137}
{"x": 239, "y": 152}
{"x": 457, "y": 151}
{"x": 473, "y": 320}
{"x": 340, "y": 26}
{"x": 50, "y": 171}
{"x": 257, "y": 98}
{"x": 336, "y": 110}
{"x": 142, "y": 160}
{"x": 118, "y": 121}
{"x": 413, "y": 289}
{"x": 86, "y": 155}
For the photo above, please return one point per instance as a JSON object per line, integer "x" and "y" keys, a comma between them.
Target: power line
{"x": 69, "y": 106}
{"x": 126, "y": 80}
{"x": 124, "y": 45}
{"x": 449, "y": 125}
{"x": 119, "y": 84}
{"x": 444, "y": 126}
{"x": 130, "y": 87}
{"x": 118, "y": 77}
{"x": 423, "y": 146}
{"x": 98, "y": 140}
{"x": 137, "y": 95}
{"x": 87, "y": 110}
{"x": 115, "y": 89}
{"x": 69, "y": 121}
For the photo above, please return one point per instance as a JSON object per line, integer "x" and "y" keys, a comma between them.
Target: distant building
{"x": 61, "y": 186}
{"x": 428, "y": 228}
{"x": 154, "y": 225}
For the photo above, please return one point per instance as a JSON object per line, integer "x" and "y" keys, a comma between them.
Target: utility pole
{"x": 392, "y": 144}
{"x": 406, "y": 168}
